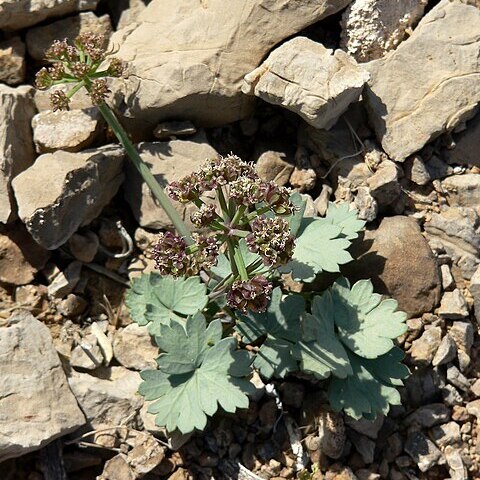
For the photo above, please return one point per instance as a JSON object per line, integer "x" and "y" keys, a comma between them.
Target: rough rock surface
{"x": 109, "y": 399}
{"x": 168, "y": 161}
{"x": 20, "y": 257}
{"x": 12, "y": 61}
{"x": 40, "y": 38}
{"x": 463, "y": 190}
{"x": 203, "y": 84}
{"x": 371, "y": 28}
{"x": 430, "y": 83}
{"x": 16, "y": 145}
{"x": 36, "y": 404}
{"x": 80, "y": 185}
{"x": 71, "y": 130}
{"x": 303, "y": 76}
{"x": 16, "y": 14}
{"x": 415, "y": 283}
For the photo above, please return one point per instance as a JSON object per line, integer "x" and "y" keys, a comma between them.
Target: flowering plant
{"x": 218, "y": 307}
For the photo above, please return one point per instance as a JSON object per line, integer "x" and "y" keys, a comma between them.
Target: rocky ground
{"x": 370, "y": 102}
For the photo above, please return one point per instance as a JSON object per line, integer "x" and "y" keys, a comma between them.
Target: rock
{"x": 371, "y": 28}
{"x": 36, "y": 404}
{"x": 455, "y": 464}
{"x": 446, "y": 434}
{"x": 456, "y": 231}
{"x": 64, "y": 283}
{"x": 466, "y": 148}
{"x": 84, "y": 246}
{"x": 424, "y": 349}
{"x": 117, "y": 468}
{"x": 450, "y": 395}
{"x": 437, "y": 168}
{"x": 463, "y": 190}
{"x": 331, "y": 433}
{"x": 446, "y": 59}
{"x": 447, "y": 279}
{"x": 110, "y": 399}
{"x": 205, "y": 82}
{"x": 423, "y": 451}
{"x": 429, "y": 415}
{"x": 463, "y": 335}
{"x": 39, "y": 39}
{"x": 303, "y": 76}
{"x": 370, "y": 428}
{"x": 474, "y": 289}
{"x": 383, "y": 185}
{"x": 168, "y": 161}
{"x": 70, "y": 130}
{"x": 271, "y": 166}
{"x": 473, "y": 408}
{"x": 365, "y": 204}
{"x": 12, "y": 61}
{"x": 416, "y": 170}
{"x": 476, "y": 388}
{"x": 20, "y": 257}
{"x": 16, "y": 145}
{"x": 453, "y": 305}
{"x": 364, "y": 446}
{"x": 72, "y": 306}
{"x": 87, "y": 355}
{"x": 456, "y": 378}
{"x": 126, "y": 12}
{"x": 400, "y": 263}
{"x": 323, "y": 200}
{"x": 133, "y": 348}
{"x": 23, "y": 13}
{"x": 172, "y": 130}
{"x": 80, "y": 185}
{"x": 447, "y": 351}
{"x": 303, "y": 179}
{"x": 79, "y": 101}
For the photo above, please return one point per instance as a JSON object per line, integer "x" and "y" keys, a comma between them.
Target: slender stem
{"x": 75, "y": 89}
{"x": 242, "y": 270}
{"x": 238, "y": 214}
{"x": 254, "y": 214}
{"x": 223, "y": 204}
{"x": 145, "y": 172}
{"x": 231, "y": 256}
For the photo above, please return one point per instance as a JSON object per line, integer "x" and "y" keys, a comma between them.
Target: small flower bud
{"x": 43, "y": 80}
{"x": 79, "y": 69}
{"x": 93, "y": 44}
{"x": 253, "y": 294}
{"x": 246, "y": 191}
{"x": 116, "y": 68}
{"x": 186, "y": 189}
{"x": 99, "y": 91}
{"x": 204, "y": 216}
{"x": 59, "y": 100}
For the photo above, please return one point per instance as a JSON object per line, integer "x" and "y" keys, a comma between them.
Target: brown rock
{"x": 400, "y": 263}
{"x": 272, "y": 166}
{"x": 20, "y": 256}
{"x": 12, "y": 61}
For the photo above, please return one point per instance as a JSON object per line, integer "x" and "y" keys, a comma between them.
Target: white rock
{"x": 168, "y": 161}
{"x": 79, "y": 186}
{"x": 303, "y": 76}
{"x": 111, "y": 399}
{"x": 36, "y": 404}
{"x": 371, "y": 28}
{"x": 16, "y": 14}
{"x": 16, "y": 145}
{"x": 424, "y": 348}
{"x": 453, "y": 305}
{"x": 463, "y": 190}
{"x": 196, "y": 70}
{"x": 133, "y": 348}
{"x": 429, "y": 84}
{"x": 71, "y": 130}
{"x": 447, "y": 351}
{"x": 64, "y": 283}
{"x": 447, "y": 278}
{"x": 446, "y": 434}
{"x": 39, "y": 39}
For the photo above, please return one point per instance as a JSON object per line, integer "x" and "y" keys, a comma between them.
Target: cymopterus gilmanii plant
{"x": 218, "y": 308}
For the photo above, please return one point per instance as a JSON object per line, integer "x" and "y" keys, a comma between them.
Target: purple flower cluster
{"x": 253, "y": 294}
{"x": 203, "y": 216}
{"x": 172, "y": 256}
{"x": 271, "y": 239}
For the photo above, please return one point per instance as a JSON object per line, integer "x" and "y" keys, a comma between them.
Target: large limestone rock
{"x": 371, "y": 28}
{"x": 194, "y": 69}
{"x": 36, "y": 404}
{"x": 63, "y": 191}
{"x": 430, "y": 83}
{"x": 305, "y": 77}
{"x": 17, "y": 14}
{"x": 16, "y": 145}
{"x": 400, "y": 263}
{"x": 168, "y": 161}
{"x": 40, "y": 38}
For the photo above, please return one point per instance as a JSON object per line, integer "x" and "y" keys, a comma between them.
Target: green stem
{"x": 254, "y": 214}
{"x": 223, "y": 204}
{"x": 231, "y": 256}
{"x": 242, "y": 270}
{"x": 75, "y": 89}
{"x": 238, "y": 214}
{"x": 145, "y": 172}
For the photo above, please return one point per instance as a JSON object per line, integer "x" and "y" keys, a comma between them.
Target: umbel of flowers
{"x": 245, "y": 208}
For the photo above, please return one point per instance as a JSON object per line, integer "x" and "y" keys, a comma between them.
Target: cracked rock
{"x": 80, "y": 185}
{"x": 303, "y": 76}
{"x": 445, "y": 58}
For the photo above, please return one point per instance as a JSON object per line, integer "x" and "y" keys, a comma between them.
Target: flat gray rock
{"x": 36, "y": 403}
{"x": 430, "y": 83}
